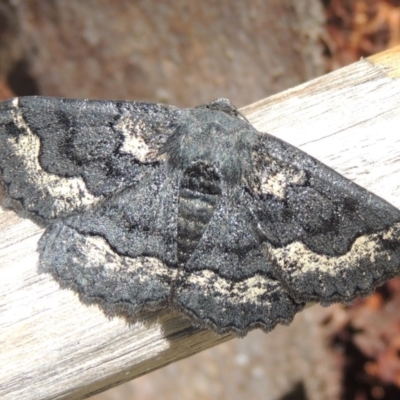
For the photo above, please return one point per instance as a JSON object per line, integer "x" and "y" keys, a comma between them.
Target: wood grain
{"x": 53, "y": 347}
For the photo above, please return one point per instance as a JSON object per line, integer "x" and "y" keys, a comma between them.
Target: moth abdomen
{"x": 199, "y": 194}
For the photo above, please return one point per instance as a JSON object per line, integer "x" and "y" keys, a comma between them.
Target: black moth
{"x": 150, "y": 206}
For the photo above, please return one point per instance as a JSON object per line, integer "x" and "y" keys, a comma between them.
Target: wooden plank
{"x": 52, "y": 347}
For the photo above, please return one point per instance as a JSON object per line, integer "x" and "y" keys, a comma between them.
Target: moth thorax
{"x": 198, "y": 196}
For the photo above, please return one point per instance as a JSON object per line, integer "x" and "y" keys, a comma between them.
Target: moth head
{"x": 214, "y": 137}
{"x": 223, "y": 105}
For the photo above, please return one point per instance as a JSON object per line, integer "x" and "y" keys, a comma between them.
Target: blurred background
{"x": 186, "y": 53}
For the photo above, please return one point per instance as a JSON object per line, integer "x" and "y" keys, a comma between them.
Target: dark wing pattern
{"x": 121, "y": 253}
{"x": 151, "y": 206}
{"x": 60, "y": 155}
{"x": 228, "y": 283}
{"x": 329, "y": 239}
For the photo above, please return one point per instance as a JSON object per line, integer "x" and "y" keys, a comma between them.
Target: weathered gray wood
{"x": 51, "y": 346}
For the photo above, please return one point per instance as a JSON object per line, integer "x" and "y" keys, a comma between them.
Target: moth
{"x": 150, "y": 206}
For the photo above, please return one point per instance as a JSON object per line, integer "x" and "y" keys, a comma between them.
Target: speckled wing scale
{"x": 150, "y": 206}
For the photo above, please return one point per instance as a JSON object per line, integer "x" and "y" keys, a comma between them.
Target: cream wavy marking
{"x": 98, "y": 254}
{"x": 249, "y": 290}
{"x": 275, "y": 178}
{"x": 276, "y": 184}
{"x": 367, "y": 247}
{"x": 134, "y": 143}
{"x": 66, "y": 193}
